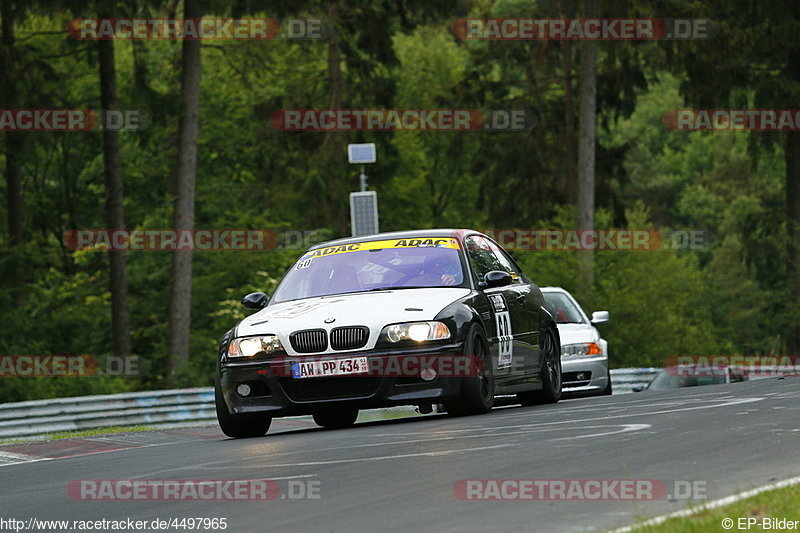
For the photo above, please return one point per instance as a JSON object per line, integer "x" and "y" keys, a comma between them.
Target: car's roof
{"x": 553, "y": 289}
{"x": 412, "y": 234}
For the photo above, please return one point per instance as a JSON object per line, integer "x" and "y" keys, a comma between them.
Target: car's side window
{"x": 481, "y": 257}
{"x": 505, "y": 262}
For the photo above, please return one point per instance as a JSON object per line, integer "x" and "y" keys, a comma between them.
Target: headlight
{"x": 416, "y": 331}
{"x": 580, "y": 349}
{"x": 251, "y": 346}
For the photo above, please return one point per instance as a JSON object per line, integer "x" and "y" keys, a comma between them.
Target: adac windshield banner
{"x": 444, "y": 242}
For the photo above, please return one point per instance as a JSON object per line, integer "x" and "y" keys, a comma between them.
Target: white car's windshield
{"x": 562, "y": 308}
{"x": 370, "y": 266}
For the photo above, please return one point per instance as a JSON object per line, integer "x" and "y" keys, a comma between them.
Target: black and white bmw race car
{"x": 408, "y": 318}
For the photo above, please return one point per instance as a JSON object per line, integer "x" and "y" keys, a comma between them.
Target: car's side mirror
{"x": 600, "y": 317}
{"x": 255, "y": 300}
{"x": 639, "y": 388}
{"x": 497, "y": 278}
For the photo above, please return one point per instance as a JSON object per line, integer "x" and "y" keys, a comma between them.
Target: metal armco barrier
{"x": 88, "y": 412}
{"x": 154, "y": 408}
{"x": 623, "y": 380}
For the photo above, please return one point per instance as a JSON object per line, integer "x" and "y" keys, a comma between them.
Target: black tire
{"x": 477, "y": 393}
{"x": 336, "y": 419}
{"x": 237, "y": 426}
{"x": 608, "y": 390}
{"x": 551, "y": 373}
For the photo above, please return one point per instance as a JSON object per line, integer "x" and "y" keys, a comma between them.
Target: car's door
{"x": 529, "y": 297}
{"x": 510, "y": 336}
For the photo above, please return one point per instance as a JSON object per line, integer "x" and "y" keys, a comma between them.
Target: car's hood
{"x": 575, "y": 333}
{"x": 371, "y": 309}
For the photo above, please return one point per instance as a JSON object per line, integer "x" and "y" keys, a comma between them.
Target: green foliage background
{"x": 728, "y": 298}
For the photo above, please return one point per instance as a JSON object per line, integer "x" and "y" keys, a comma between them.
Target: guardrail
{"x": 154, "y": 408}
{"x": 623, "y": 380}
{"x": 89, "y": 412}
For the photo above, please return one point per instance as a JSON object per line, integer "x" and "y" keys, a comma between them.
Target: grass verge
{"x": 756, "y": 513}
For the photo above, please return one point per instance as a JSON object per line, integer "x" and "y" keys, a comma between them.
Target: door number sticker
{"x": 504, "y": 336}
{"x": 498, "y": 302}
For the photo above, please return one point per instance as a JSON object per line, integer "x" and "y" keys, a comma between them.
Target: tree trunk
{"x": 334, "y": 74}
{"x": 570, "y": 167}
{"x": 333, "y": 148}
{"x": 181, "y": 292}
{"x": 115, "y": 210}
{"x": 792, "y": 158}
{"x": 793, "y": 223}
{"x": 13, "y": 140}
{"x": 586, "y": 153}
{"x": 14, "y": 187}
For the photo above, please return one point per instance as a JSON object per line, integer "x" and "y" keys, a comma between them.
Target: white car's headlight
{"x": 252, "y": 346}
{"x": 416, "y": 331}
{"x": 581, "y": 349}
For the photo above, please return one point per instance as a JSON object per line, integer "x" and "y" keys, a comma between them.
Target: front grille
{"x": 336, "y": 388}
{"x": 309, "y": 341}
{"x": 349, "y": 338}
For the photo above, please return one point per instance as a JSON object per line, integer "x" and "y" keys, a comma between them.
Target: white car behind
{"x": 584, "y": 353}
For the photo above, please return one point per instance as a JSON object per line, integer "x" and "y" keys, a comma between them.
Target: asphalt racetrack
{"x": 399, "y": 475}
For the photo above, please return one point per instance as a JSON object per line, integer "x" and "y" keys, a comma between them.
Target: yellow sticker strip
{"x": 445, "y": 242}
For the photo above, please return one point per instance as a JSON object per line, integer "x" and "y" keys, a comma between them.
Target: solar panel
{"x": 361, "y": 153}
{"x": 364, "y": 213}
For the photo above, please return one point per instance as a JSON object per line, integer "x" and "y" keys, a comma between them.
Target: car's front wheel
{"x": 551, "y": 373}
{"x": 237, "y": 426}
{"x": 477, "y": 392}
{"x": 336, "y": 419}
{"x": 609, "y": 389}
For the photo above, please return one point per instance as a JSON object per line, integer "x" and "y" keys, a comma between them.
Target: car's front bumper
{"x": 584, "y": 375}
{"x": 275, "y": 393}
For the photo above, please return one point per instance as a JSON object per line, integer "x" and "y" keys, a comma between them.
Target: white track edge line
{"x": 727, "y": 500}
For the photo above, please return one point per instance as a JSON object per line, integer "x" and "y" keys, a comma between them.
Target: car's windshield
{"x": 676, "y": 379}
{"x": 372, "y": 266}
{"x": 562, "y": 308}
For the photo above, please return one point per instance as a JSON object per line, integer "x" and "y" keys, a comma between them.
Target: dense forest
{"x": 209, "y": 156}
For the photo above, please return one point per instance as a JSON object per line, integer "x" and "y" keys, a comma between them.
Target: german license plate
{"x": 329, "y": 367}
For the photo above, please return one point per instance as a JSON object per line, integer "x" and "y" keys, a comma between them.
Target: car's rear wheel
{"x": 336, "y": 419}
{"x": 551, "y": 373}
{"x": 237, "y": 426}
{"x": 477, "y": 392}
